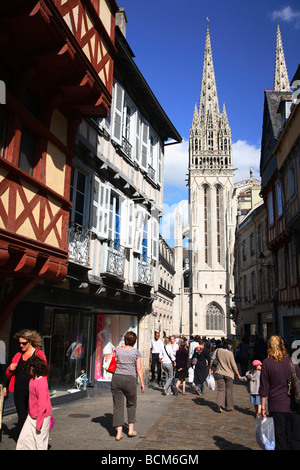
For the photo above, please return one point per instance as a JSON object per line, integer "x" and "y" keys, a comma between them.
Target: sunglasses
{"x": 23, "y": 343}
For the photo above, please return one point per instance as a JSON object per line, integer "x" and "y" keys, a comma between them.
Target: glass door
{"x": 70, "y": 349}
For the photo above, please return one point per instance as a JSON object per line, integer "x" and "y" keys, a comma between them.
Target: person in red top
{"x": 35, "y": 432}
{"x": 30, "y": 343}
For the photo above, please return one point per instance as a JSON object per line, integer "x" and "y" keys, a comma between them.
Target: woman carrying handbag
{"x": 123, "y": 384}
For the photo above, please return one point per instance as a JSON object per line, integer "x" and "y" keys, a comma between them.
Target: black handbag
{"x": 294, "y": 387}
{"x": 216, "y": 360}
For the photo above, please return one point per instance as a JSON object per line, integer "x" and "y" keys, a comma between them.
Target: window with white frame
{"x": 114, "y": 225}
{"x": 113, "y": 215}
{"x": 101, "y": 202}
{"x": 146, "y": 237}
{"x": 134, "y": 134}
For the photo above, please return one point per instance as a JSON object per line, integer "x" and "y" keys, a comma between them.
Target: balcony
{"x": 115, "y": 259}
{"x": 143, "y": 271}
{"x": 79, "y": 244}
{"x": 151, "y": 172}
{"x": 127, "y": 147}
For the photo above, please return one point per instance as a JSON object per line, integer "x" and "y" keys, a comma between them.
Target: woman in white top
{"x": 167, "y": 358}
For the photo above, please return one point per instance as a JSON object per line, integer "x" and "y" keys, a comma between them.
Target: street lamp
{"x": 261, "y": 259}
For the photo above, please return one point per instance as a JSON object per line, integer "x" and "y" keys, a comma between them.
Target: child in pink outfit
{"x": 35, "y": 432}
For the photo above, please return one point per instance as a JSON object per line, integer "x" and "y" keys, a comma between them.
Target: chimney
{"x": 121, "y": 21}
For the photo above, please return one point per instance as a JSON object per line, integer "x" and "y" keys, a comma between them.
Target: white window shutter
{"x": 139, "y": 227}
{"x": 130, "y": 222}
{"x": 137, "y": 140}
{"x": 118, "y": 113}
{"x": 155, "y": 238}
{"x": 101, "y": 202}
{"x": 145, "y": 144}
{"x": 160, "y": 163}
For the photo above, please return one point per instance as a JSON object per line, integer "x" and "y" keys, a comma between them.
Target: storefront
{"x": 75, "y": 341}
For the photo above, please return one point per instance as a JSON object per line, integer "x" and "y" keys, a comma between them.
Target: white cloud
{"x": 245, "y": 156}
{"x": 167, "y": 223}
{"x": 176, "y": 164}
{"x": 287, "y": 14}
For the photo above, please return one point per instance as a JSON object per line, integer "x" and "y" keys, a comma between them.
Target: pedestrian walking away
{"x": 167, "y": 358}
{"x": 224, "y": 375}
{"x": 201, "y": 358}
{"x": 252, "y": 378}
{"x": 276, "y": 370}
{"x": 182, "y": 357}
{"x": 124, "y": 386}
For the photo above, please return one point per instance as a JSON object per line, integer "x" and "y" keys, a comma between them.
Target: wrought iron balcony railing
{"x": 127, "y": 147}
{"x": 79, "y": 244}
{"x": 151, "y": 172}
{"x": 115, "y": 258}
{"x": 144, "y": 271}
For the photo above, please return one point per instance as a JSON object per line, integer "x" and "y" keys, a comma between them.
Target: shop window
{"x": 110, "y": 330}
{"x": 68, "y": 348}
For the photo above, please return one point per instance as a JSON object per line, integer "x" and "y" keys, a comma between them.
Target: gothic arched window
{"x": 214, "y": 317}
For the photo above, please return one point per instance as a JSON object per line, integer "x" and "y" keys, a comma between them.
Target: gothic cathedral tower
{"x": 212, "y": 210}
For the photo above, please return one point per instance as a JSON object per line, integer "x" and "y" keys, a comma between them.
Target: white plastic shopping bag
{"x": 210, "y": 381}
{"x": 191, "y": 374}
{"x": 265, "y": 434}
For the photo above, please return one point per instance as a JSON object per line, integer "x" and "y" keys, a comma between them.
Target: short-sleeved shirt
{"x": 126, "y": 361}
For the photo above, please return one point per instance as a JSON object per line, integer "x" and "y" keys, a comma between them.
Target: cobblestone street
{"x": 178, "y": 423}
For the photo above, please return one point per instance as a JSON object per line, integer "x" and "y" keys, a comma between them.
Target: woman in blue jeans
{"x": 167, "y": 358}
{"x": 124, "y": 384}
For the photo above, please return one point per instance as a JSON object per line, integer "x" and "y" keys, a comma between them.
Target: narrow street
{"x": 175, "y": 423}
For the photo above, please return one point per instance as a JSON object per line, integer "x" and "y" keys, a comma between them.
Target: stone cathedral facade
{"x": 204, "y": 279}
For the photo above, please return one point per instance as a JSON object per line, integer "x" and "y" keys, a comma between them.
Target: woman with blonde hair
{"x": 276, "y": 370}
{"x": 30, "y": 344}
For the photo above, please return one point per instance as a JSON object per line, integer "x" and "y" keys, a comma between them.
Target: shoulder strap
{"x": 168, "y": 354}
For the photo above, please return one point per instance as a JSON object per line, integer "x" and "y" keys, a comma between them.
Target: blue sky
{"x": 168, "y": 37}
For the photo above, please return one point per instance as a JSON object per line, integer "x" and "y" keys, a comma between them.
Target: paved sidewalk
{"x": 183, "y": 422}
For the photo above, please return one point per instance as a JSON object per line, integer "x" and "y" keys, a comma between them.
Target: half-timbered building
{"x": 56, "y": 66}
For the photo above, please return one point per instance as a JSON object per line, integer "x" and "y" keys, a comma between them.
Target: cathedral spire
{"x": 281, "y": 79}
{"x": 208, "y": 104}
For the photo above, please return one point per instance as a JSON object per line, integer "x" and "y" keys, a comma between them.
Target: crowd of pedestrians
{"x": 264, "y": 366}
